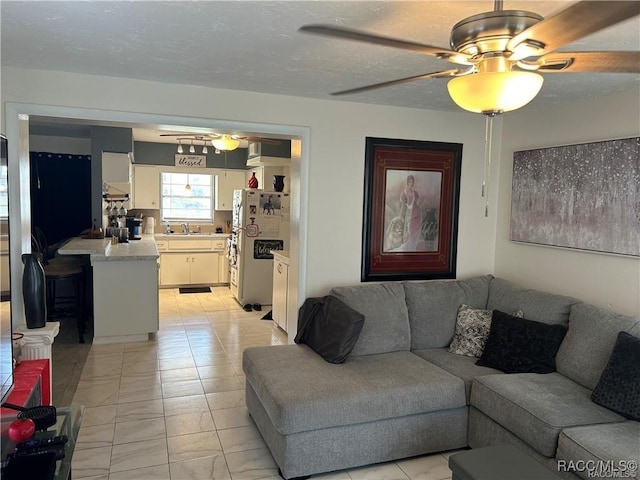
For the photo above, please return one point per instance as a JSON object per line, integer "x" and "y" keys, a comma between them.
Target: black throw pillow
{"x": 517, "y": 345}
{"x": 330, "y": 327}
{"x": 619, "y": 386}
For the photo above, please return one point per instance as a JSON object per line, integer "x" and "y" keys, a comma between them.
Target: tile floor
{"x": 173, "y": 408}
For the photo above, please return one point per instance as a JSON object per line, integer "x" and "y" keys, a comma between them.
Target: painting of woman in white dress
{"x": 412, "y": 208}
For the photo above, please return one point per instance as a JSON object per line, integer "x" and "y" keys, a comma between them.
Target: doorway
{"x": 17, "y": 122}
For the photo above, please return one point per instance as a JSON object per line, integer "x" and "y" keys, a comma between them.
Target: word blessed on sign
{"x": 191, "y": 161}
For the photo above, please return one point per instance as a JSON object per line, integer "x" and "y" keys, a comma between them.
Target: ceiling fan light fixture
{"x": 494, "y": 92}
{"x": 226, "y": 143}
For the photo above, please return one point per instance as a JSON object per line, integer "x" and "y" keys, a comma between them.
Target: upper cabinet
{"x": 269, "y": 155}
{"x": 146, "y": 187}
{"x": 225, "y": 184}
{"x": 116, "y": 167}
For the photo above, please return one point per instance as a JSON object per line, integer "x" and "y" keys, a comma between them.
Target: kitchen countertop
{"x": 165, "y": 236}
{"x": 101, "y": 249}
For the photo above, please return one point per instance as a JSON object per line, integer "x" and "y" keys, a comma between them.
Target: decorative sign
{"x": 262, "y": 248}
{"x": 191, "y": 161}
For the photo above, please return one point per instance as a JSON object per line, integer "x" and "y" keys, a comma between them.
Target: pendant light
{"x": 180, "y": 149}
{"x": 205, "y": 150}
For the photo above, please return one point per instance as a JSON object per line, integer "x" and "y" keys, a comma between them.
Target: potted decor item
{"x": 278, "y": 183}
{"x": 33, "y": 290}
{"x": 253, "y": 181}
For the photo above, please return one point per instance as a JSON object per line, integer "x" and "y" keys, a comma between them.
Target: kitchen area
{"x": 153, "y": 233}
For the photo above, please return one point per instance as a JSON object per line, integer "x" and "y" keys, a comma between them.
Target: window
{"x": 187, "y": 196}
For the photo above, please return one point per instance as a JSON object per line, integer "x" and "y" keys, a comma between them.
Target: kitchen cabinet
{"x": 192, "y": 259}
{"x": 280, "y": 289}
{"x": 223, "y": 269}
{"x": 116, "y": 167}
{"x": 146, "y": 187}
{"x": 195, "y": 268}
{"x": 125, "y": 287}
{"x": 225, "y": 184}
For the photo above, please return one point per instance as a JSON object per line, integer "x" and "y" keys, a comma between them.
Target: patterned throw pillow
{"x": 472, "y": 330}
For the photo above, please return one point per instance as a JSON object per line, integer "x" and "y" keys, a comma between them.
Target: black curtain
{"x": 60, "y": 194}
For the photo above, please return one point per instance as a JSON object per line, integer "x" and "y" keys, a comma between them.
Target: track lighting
{"x": 192, "y": 148}
{"x": 180, "y": 149}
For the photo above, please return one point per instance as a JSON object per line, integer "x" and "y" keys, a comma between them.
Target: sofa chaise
{"x": 401, "y": 392}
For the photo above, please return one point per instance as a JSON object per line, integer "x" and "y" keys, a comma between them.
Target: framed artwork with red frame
{"x": 411, "y": 200}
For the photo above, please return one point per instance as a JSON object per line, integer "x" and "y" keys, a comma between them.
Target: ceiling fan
{"x": 221, "y": 141}
{"x": 500, "y": 54}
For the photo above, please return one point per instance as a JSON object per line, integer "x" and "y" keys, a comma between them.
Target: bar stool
{"x": 74, "y": 274}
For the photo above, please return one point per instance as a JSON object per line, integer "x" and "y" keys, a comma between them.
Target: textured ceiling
{"x": 255, "y": 46}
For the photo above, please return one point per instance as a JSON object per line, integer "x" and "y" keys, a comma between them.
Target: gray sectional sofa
{"x": 401, "y": 393}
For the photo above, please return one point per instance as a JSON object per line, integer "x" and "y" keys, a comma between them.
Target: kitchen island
{"x": 125, "y": 287}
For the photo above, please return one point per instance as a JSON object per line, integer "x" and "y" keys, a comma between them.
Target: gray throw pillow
{"x": 619, "y": 385}
{"x": 329, "y": 327}
{"x": 472, "y": 330}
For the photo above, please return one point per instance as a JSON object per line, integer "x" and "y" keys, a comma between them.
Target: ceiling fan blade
{"x": 606, "y": 62}
{"x": 350, "y": 34}
{"x": 445, "y": 73}
{"x": 579, "y": 20}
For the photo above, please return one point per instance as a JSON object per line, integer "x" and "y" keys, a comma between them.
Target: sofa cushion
{"x": 363, "y": 389}
{"x": 433, "y": 307}
{"x": 594, "y": 446}
{"x": 619, "y": 386}
{"x": 459, "y": 365}
{"x": 536, "y": 305}
{"x": 536, "y": 408}
{"x": 329, "y": 326}
{"x": 386, "y": 320}
{"x": 518, "y": 345}
{"x": 586, "y": 348}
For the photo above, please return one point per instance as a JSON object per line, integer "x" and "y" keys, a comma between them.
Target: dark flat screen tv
{"x": 6, "y": 343}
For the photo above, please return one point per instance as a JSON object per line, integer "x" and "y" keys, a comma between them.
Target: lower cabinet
{"x": 280, "y": 293}
{"x": 189, "y": 268}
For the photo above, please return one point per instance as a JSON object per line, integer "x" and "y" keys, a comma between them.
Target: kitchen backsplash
{"x": 221, "y": 219}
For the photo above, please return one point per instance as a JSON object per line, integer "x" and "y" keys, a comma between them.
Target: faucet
{"x": 185, "y": 228}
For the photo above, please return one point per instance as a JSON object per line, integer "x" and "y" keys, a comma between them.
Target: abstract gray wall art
{"x": 583, "y": 196}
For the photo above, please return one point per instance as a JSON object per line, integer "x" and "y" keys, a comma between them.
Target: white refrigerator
{"x": 260, "y": 225}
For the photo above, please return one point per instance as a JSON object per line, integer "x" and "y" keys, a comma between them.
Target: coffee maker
{"x": 134, "y": 226}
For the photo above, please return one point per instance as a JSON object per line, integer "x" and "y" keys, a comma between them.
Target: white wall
{"x": 606, "y": 280}
{"x": 335, "y": 154}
